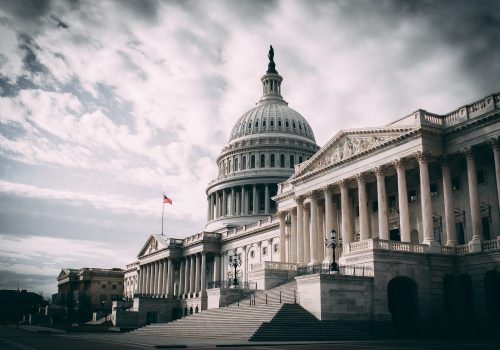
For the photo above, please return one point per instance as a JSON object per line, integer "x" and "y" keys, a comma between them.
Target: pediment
{"x": 152, "y": 245}
{"x": 65, "y": 273}
{"x": 349, "y": 144}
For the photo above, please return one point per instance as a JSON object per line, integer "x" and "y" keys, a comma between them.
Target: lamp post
{"x": 332, "y": 243}
{"x": 234, "y": 263}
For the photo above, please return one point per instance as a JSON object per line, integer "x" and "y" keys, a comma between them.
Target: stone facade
{"x": 415, "y": 202}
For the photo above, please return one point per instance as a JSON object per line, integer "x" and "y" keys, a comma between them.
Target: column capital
{"x": 423, "y": 156}
{"x": 299, "y": 199}
{"x": 379, "y": 171}
{"x": 468, "y": 152}
{"x": 444, "y": 160}
{"x": 327, "y": 189}
{"x": 344, "y": 183}
{"x": 495, "y": 143}
{"x": 293, "y": 210}
{"x": 312, "y": 195}
{"x": 399, "y": 163}
{"x": 360, "y": 178}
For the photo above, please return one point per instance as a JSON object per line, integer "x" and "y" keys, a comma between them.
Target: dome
{"x": 271, "y": 117}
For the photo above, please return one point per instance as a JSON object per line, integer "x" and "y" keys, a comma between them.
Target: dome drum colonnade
{"x": 265, "y": 145}
{"x": 307, "y": 227}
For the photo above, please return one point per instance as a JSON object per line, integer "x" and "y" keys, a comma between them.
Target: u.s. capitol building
{"x": 413, "y": 206}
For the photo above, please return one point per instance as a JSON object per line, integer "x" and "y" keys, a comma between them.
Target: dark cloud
{"x": 26, "y": 9}
{"x": 146, "y": 10}
{"x": 31, "y": 282}
{"x": 30, "y": 60}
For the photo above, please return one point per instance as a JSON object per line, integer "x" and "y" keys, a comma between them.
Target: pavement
{"x": 44, "y": 338}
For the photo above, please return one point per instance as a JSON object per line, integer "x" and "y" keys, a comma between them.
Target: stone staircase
{"x": 228, "y": 323}
{"x": 293, "y": 323}
{"x": 281, "y": 294}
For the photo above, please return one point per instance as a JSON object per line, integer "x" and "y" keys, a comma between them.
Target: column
{"x": 148, "y": 277}
{"x": 282, "y": 237}
{"x": 425, "y": 198}
{"x": 307, "y": 232}
{"x": 329, "y": 223}
{"x": 449, "y": 209}
{"x": 244, "y": 206}
{"x": 495, "y": 144}
{"x": 238, "y": 203}
{"x": 293, "y": 236}
{"x": 321, "y": 232}
{"x": 347, "y": 235}
{"x": 383, "y": 220}
{"x": 475, "y": 212}
{"x": 208, "y": 208}
{"x": 181, "y": 277}
{"x": 270, "y": 247}
{"x": 266, "y": 199}
{"x": 224, "y": 203}
{"x": 154, "y": 280}
{"x": 404, "y": 215}
{"x": 141, "y": 280}
{"x": 161, "y": 290}
{"x": 300, "y": 229}
{"x": 203, "y": 272}
{"x": 217, "y": 205}
{"x": 192, "y": 274}
{"x": 187, "y": 275}
{"x": 314, "y": 231}
{"x": 170, "y": 278}
{"x": 364, "y": 228}
{"x": 232, "y": 203}
{"x": 217, "y": 267}
{"x": 212, "y": 205}
{"x": 255, "y": 209}
{"x": 197, "y": 279}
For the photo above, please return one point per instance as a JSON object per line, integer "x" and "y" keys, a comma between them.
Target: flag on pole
{"x": 166, "y": 200}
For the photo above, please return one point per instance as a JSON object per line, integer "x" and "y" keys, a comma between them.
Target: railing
{"x": 462, "y": 249}
{"x": 346, "y": 270}
{"x": 229, "y": 284}
{"x": 492, "y": 245}
{"x": 447, "y": 250}
{"x": 274, "y": 265}
{"x": 376, "y": 243}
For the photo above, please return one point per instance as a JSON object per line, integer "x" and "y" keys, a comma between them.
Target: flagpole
{"x": 162, "y": 212}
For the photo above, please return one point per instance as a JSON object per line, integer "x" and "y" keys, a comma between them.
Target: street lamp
{"x": 234, "y": 263}
{"x": 332, "y": 243}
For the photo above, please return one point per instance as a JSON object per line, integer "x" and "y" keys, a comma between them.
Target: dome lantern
{"x": 271, "y": 81}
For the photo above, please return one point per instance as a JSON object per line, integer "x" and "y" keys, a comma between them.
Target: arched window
{"x": 279, "y": 123}
{"x": 243, "y": 163}
{"x": 300, "y": 126}
{"x": 282, "y": 160}
{"x": 293, "y": 125}
{"x": 229, "y": 166}
{"x": 250, "y": 124}
{"x": 300, "y": 159}
{"x": 287, "y": 124}
{"x": 292, "y": 161}
{"x": 264, "y": 123}
{"x": 262, "y": 161}
{"x": 272, "y": 161}
{"x": 272, "y": 123}
{"x": 252, "y": 162}
{"x": 236, "y": 164}
{"x": 256, "y": 123}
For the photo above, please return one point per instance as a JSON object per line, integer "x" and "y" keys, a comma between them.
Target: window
{"x": 257, "y": 124}
{"x": 252, "y": 254}
{"x": 229, "y": 166}
{"x": 279, "y": 123}
{"x": 272, "y": 161}
{"x": 113, "y": 286}
{"x": 293, "y": 125}
{"x": 434, "y": 189}
{"x": 300, "y": 126}
{"x": 282, "y": 160}
{"x": 276, "y": 248}
{"x": 264, "y": 123}
{"x": 374, "y": 206}
{"x": 236, "y": 164}
{"x": 243, "y": 163}
{"x": 300, "y": 159}
{"x": 272, "y": 123}
{"x": 264, "y": 251}
{"x": 412, "y": 196}
{"x": 481, "y": 179}
{"x": 455, "y": 183}
{"x": 262, "y": 161}
{"x": 103, "y": 286}
{"x": 392, "y": 201}
{"x": 250, "y": 125}
{"x": 252, "y": 162}
{"x": 287, "y": 124}
{"x": 356, "y": 211}
{"x": 292, "y": 161}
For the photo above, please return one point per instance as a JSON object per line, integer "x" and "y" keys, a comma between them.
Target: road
{"x": 18, "y": 339}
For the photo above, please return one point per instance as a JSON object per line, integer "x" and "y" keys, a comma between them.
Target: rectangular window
{"x": 264, "y": 251}
{"x": 434, "y": 189}
{"x": 374, "y": 206}
{"x": 356, "y": 210}
{"x": 412, "y": 196}
{"x": 481, "y": 179}
{"x": 103, "y": 286}
{"x": 455, "y": 183}
{"x": 276, "y": 248}
{"x": 113, "y": 286}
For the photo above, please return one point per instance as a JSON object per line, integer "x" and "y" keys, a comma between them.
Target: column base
{"x": 475, "y": 245}
{"x": 451, "y": 243}
{"x": 434, "y": 247}
{"x": 313, "y": 262}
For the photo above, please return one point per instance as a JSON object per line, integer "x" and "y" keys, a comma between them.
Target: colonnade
{"x": 316, "y": 213}
{"x": 236, "y": 201}
{"x": 156, "y": 278}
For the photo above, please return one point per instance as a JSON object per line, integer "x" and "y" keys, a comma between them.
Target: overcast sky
{"x": 104, "y": 105}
